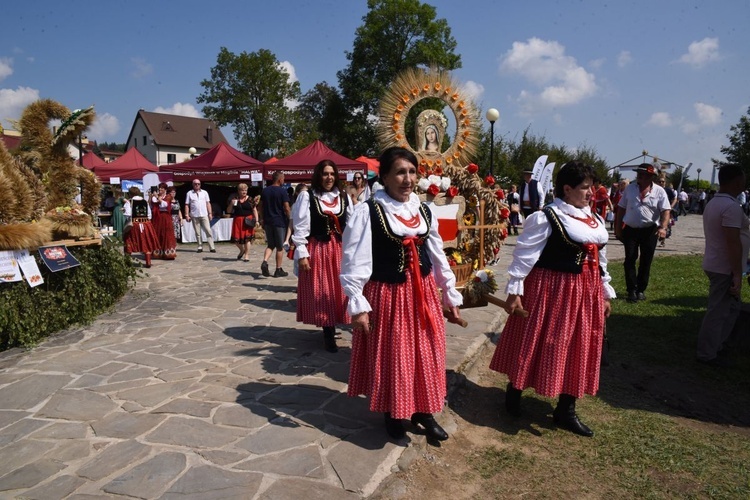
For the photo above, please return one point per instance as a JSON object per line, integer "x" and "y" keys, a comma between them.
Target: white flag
{"x": 546, "y": 180}
{"x": 538, "y": 167}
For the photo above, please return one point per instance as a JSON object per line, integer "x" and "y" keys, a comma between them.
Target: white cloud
{"x": 181, "y": 109}
{"x": 701, "y": 53}
{"x": 624, "y": 58}
{"x": 13, "y": 102}
{"x": 707, "y": 114}
{"x": 473, "y": 90}
{"x": 140, "y": 67}
{"x": 6, "y": 67}
{"x": 545, "y": 65}
{"x": 660, "y": 119}
{"x": 104, "y": 127}
{"x": 598, "y": 63}
{"x": 289, "y": 68}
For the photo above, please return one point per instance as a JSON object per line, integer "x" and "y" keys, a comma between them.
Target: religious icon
{"x": 430, "y": 129}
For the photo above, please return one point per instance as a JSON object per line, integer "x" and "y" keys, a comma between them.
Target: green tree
{"x": 250, "y": 92}
{"x": 395, "y": 34}
{"x": 738, "y": 150}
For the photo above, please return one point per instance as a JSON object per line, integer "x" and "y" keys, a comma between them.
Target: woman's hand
{"x": 361, "y": 321}
{"x": 512, "y": 303}
{"x": 607, "y": 308}
{"x": 304, "y": 264}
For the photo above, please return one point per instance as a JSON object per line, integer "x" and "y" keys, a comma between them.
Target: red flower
{"x": 477, "y": 279}
{"x": 504, "y": 233}
{"x": 472, "y": 168}
{"x": 500, "y": 194}
{"x": 504, "y": 213}
{"x": 438, "y": 170}
{"x": 451, "y": 192}
{"x": 422, "y": 172}
{"x": 489, "y": 180}
{"x": 433, "y": 189}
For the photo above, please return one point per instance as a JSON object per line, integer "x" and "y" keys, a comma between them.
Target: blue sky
{"x": 669, "y": 77}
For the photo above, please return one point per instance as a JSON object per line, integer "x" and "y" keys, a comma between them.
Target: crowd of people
{"x": 375, "y": 260}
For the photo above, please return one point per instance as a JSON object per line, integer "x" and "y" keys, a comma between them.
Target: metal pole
{"x": 492, "y": 146}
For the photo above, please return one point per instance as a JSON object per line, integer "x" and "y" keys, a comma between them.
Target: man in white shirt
{"x": 682, "y": 202}
{"x": 198, "y": 210}
{"x": 642, "y": 218}
{"x": 727, "y": 234}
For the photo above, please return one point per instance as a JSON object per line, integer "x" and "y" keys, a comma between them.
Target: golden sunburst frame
{"x": 410, "y": 87}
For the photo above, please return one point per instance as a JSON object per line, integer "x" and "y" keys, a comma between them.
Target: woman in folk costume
{"x": 141, "y": 238}
{"x": 319, "y": 216}
{"x": 392, "y": 267}
{"x": 161, "y": 208}
{"x": 559, "y": 275}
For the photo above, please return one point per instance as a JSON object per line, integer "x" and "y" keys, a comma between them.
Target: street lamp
{"x": 492, "y": 116}
{"x": 192, "y": 152}
{"x": 699, "y": 178}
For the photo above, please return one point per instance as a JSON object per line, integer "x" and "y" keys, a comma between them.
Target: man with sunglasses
{"x": 198, "y": 211}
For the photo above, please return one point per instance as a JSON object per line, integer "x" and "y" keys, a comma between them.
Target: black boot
{"x": 513, "y": 400}
{"x": 394, "y": 427}
{"x": 329, "y": 338}
{"x": 565, "y": 416}
{"x": 431, "y": 427}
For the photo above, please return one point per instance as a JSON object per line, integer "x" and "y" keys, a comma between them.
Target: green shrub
{"x": 73, "y": 296}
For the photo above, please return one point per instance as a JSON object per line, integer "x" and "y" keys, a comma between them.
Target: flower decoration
{"x": 456, "y": 256}
{"x": 451, "y": 192}
{"x": 500, "y": 194}
{"x": 469, "y": 219}
{"x": 433, "y": 184}
{"x": 504, "y": 212}
{"x": 489, "y": 180}
{"x": 481, "y": 282}
{"x": 472, "y": 168}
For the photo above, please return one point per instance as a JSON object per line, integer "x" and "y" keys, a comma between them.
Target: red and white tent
{"x": 299, "y": 166}
{"x": 220, "y": 163}
{"x": 130, "y": 166}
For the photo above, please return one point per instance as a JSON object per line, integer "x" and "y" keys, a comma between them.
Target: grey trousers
{"x": 721, "y": 314}
{"x": 205, "y": 224}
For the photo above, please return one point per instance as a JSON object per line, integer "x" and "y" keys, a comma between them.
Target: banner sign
{"x": 9, "y": 270}
{"x": 58, "y": 258}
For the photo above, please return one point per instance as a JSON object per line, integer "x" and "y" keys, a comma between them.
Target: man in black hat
{"x": 532, "y": 196}
{"x": 642, "y": 218}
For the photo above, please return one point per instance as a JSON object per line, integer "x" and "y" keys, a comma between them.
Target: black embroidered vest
{"x": 322, "y": 225}
{"x": 561, "y": 253}
{"x": 388, "y": 251}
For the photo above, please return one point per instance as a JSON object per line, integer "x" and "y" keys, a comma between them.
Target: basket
{"x": 462, "y": 272}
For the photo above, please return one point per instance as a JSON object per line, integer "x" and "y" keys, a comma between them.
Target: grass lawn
{"x": 666, "y": 426}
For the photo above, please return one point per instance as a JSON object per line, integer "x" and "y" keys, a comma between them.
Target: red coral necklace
{"x": 588, "y": 220}
{"x": 329, "y": 204}
{"x": 411, "y": 222}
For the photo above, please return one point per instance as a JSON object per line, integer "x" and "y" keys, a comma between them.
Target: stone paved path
{"x": 202, "y": 385}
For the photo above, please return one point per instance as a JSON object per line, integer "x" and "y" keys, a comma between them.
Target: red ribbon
{"x": 335, "y": 220}
{"x": 425, "y": 314}
{"x": 592, "y": 250}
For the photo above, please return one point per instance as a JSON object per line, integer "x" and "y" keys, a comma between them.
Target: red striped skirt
{"x": 141, "y": 238}
{"x": 166, "y": 247}
{"x": 400, "y": 364}
{"x": 557, "y": 349}
{"x": 320, "y": 298}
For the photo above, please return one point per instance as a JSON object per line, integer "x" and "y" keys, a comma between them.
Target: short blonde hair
{"x": 242, "y": 186}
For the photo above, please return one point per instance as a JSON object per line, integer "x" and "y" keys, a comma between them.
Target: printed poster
{"x": 30, "y": 269}
{"x": 9, "y": 270}
{"x": 58, "y": 258}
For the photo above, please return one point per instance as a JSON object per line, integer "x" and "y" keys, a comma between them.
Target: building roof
{"x": 179, "y": 131}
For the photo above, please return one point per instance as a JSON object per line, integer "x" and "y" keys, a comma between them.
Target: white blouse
{"x": 301, "y": 217}
{"x": 536, "y": 232}
{"x": 356, "y": 264}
